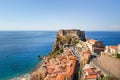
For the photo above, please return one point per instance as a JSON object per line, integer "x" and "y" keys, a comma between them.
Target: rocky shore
{"x": 28, "y": 75}
{"x": 23, "y": 77}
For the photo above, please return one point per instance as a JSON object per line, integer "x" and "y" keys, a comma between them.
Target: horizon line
{"x": 66, "y": 29}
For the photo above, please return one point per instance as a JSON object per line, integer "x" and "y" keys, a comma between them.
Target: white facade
{"x": 111, "y": 49}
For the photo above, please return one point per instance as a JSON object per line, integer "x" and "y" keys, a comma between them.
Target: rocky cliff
{"x": 73, "y": 33}
{"x": 61, "y": 64}
{"x": 68, "y": 37}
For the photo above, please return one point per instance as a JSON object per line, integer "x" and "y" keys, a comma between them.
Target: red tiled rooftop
{"x": 72, "y": 58}
{"x": 70, "y": 70}
{"x": 113, "y": 47}
{"x": 64, "y": 57}
{"x": 64, "y": 63}
{"x": 91, "y": 77}
{"x": 64, "y": 60}
{"x": 50, "y": 71}
{"x": 53, "y": 75}
{"x": 60, "y": 76}
{"x": 89, "y": 70}
{"x": 85, "y": 51}
{"x": 92, "y": 41}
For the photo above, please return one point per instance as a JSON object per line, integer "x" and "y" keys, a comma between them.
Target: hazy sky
{"x": 100, "y": 15}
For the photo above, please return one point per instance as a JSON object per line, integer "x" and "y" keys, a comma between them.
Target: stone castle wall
{"x": 73, "y": 33}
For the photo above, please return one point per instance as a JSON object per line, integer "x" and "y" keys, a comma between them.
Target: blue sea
{"x": 19, "y": 49}
{"x": 108, "y": 38}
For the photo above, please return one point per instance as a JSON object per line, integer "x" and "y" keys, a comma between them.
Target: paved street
{"x": 75, "y": 53}
{"x": 95, "y": 62}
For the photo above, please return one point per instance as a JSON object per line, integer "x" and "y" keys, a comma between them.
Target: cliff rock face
{"x": 73, "y": 33}
{"x": 68, "y": 37}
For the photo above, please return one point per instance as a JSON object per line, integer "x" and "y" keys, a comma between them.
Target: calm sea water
{"x": 109, "y": 38}
{"x": 19, "y": 49}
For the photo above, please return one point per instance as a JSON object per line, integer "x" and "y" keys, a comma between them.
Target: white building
{"x": 111, "y": 49}
{"x": 95, "y": 46}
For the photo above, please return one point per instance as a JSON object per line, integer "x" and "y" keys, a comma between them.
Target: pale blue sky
{"x": 95, "y": 15}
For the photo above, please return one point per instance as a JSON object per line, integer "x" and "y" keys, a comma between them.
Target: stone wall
{"x": 111, "y": 64}
{"x": 68, "y": 37}
{"x": 73, "y": 33}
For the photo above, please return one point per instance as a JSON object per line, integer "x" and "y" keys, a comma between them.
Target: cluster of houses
{"x": 96, "y": 46}
{"x": 62, "y": 67}
{"x": 91, "y": 73}
{"x": 59, "y": 68}
{"x": 85, "y": 56}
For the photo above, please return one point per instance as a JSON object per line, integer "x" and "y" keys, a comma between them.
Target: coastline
{"x": 46, "y": 63}
{"x": 61, "y": 62}
{"x": 18, "y": 55}
{"x": 27, "y": 76}
{"x": 23, "y": 77}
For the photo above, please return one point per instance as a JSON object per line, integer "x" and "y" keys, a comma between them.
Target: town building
{"x": 85, "y": 56}
{"x": 95, "y": 46}
{"x": 111, "y": 50}
{"x": 90, "y": 74}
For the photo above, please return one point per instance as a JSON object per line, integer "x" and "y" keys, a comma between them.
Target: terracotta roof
{"x": 90, "y": 71}
{"x": 65, "y": 63}
{"x": 64, "y": 57}
{"x": 53, "y": 75}
{"x": 85, "y": 51}
{"x": 50, "y": 71}
{"x": 70, "y": 70}
{"x": 91, "y": 77}
{"x": 92, "y": 41}
{"x": 60, "y": 76}
{"x": 113, "y": 47}
{"x": 72, "y": 58}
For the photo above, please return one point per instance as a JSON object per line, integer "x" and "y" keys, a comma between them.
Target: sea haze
{"x": 19, "y": 49}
